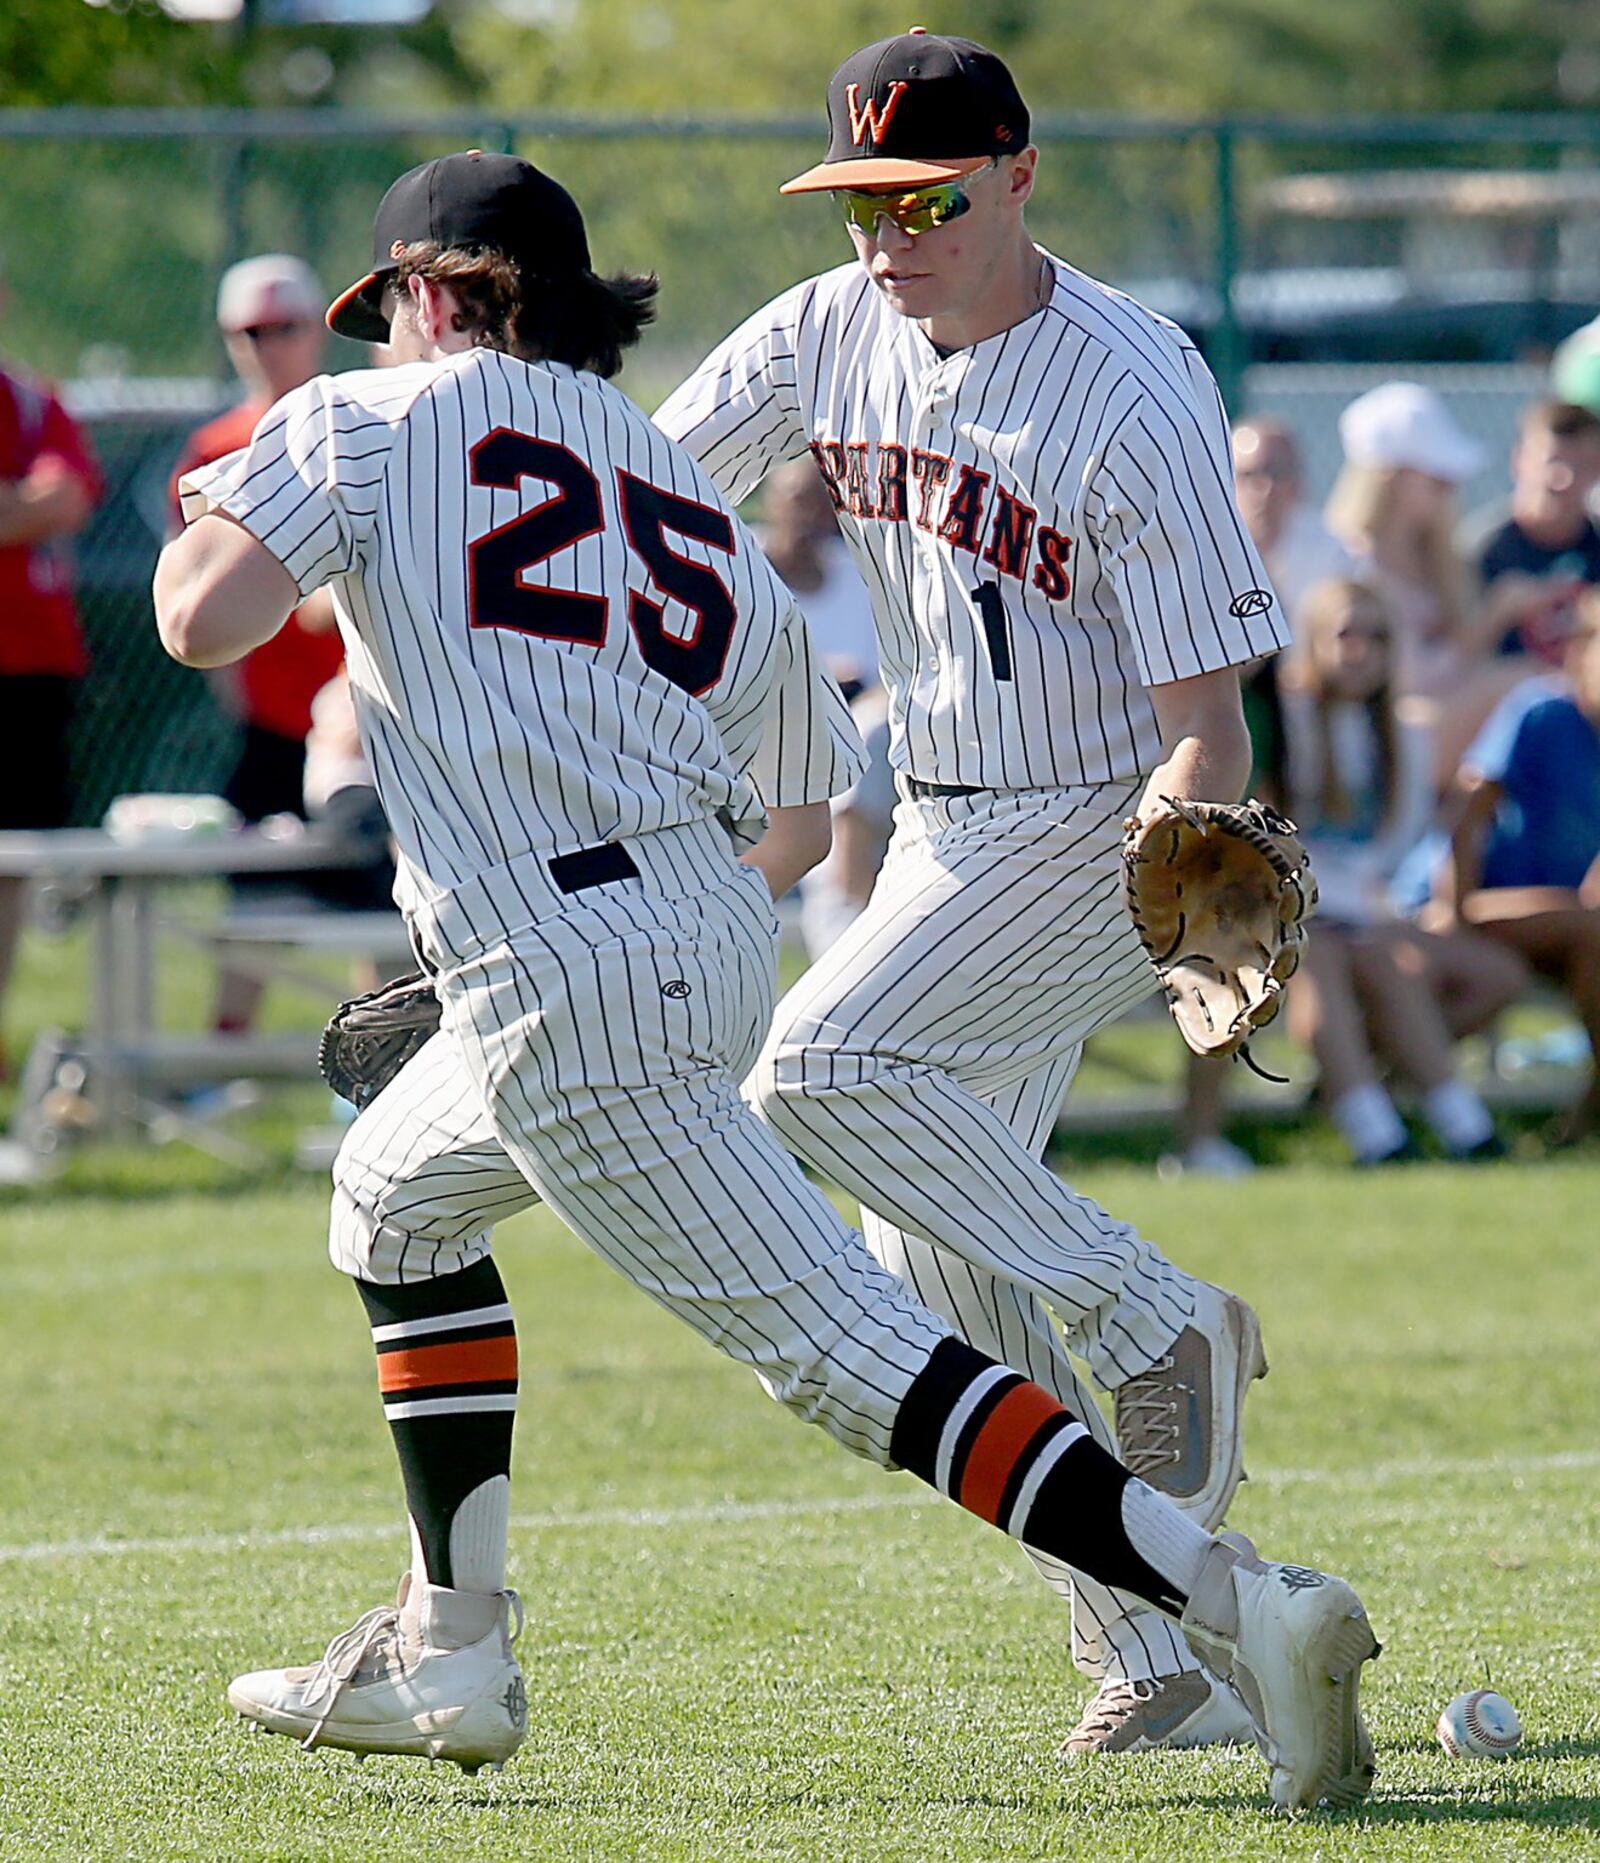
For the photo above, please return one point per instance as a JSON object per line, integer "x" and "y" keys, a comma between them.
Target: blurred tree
{"x": 129, "y": 52}
{"x": 1178, "y": 57}
{"x": 73, "y": 52}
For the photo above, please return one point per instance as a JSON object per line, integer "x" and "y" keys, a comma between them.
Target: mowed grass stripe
{"x": 1380, "y": 1475}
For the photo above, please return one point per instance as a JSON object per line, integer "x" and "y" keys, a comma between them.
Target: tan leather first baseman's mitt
{"x": 369, "y": 1039}
{"x": 1219, "y": 893}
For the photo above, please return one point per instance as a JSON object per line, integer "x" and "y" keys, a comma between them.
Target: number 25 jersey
{"x": 557, "y": 632}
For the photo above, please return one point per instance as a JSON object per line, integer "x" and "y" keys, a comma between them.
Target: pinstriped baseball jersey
{"x": 1046, "y": 519}
{"x": 558, "y": 634}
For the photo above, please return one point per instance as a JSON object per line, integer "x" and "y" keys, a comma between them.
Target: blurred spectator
{"x": 1394, "y": 506}
{"x": 1295, "y": 544}
{"x": 1535, "y": 564}
{"x": 1376, "y": 996}
{"x": 1575, "y": 368}
{"x": 833, "y": 893}
{"x": 1524, "y": 865}
{"x": 49, "y": 484}
{"x": 1299, "y": 551}
{"x": 269, "y": 310}
{"x": 802, "y": 542}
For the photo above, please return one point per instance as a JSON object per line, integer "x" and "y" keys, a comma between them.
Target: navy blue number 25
{"x": 497, "y": 595}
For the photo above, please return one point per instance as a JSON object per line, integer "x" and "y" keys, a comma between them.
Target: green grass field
{"x": 741, "y": 1643}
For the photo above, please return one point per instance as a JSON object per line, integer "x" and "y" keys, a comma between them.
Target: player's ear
{"x": 1020, "y": 171}
{"x": 432, "y": 306}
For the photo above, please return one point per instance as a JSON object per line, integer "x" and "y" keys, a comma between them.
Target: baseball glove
{"x": 1219, "y": 892}
{"x": 369, "y": 1039}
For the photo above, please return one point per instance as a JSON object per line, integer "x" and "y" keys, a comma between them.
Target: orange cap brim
{"x": 882, "y": 171}
{"x": 353, "y": 314}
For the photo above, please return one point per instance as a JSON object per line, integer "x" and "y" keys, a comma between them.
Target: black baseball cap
{"x": 913, "y": 110}
{"x": 498, "y": 203}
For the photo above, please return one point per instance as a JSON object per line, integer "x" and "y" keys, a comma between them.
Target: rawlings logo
{"x": 515, "y": 1701}
{"x": 1300, "y": 1578}
{"x": 1252, "y": 602}
{"x": 875, "y": 118}
{"x": 677, "y": 989}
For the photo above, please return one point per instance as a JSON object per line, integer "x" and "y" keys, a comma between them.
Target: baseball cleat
{"x": 431, "y": 1675}
{"x": 1179, "y": 1424}
{"x": 1292, "y": 1641}
{"x": 1188, "y": 1710}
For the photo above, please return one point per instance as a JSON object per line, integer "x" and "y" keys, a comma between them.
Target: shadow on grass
{"x": 1570, "y": 1747}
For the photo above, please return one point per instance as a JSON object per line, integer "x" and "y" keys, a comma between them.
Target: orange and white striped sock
{"x": 1006, "y": 1450}
{"x": 447, "y": 1369}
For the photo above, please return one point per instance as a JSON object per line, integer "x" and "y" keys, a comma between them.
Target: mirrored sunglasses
{"x": 918, "y": 210}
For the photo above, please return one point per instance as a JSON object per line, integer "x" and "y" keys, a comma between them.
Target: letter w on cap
{"x": 875, "y": 119}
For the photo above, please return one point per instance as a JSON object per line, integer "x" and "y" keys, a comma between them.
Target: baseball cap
{"x": 1575, "y": 368}
{"x": 498, "y": 203}
{"x": 916, "y": 109}
{"x": 1404, "y": 424}
{"x": 274, "y": 288}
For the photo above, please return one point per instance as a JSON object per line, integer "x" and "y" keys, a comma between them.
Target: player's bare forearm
{"x": 1205, "y": 745}
{"x": 219, "y": 593}
{"x": 795, "y": 841}
{"x": 51, "y": 501}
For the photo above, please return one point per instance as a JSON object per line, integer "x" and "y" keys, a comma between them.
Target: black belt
{"x": 593, "y": 866}
{"x": 931, "y": 792}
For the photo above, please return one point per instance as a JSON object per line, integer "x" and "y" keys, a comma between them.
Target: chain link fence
{"x": 1309, "y": 260}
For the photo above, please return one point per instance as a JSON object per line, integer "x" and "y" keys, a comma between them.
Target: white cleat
{"x": 1292, "y": 1642}
{"x": 433, "y": 1675}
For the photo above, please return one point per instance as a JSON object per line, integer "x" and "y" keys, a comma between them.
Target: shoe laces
{"x": 343, "y": 1658}
{"x": 1148, "y": 1430}
{"x": 1116, "y": 1702}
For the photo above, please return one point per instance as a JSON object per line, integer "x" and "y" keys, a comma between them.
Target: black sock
{"x": 1007, "y": 1451}
{"x": 447, "y": 1368}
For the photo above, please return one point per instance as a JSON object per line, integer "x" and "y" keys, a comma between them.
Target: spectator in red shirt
{"x": 49, "y": 484}
{"x": 270, "y": 312}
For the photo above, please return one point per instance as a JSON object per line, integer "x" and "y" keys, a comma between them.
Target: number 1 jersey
{"x": 557, "y": 631}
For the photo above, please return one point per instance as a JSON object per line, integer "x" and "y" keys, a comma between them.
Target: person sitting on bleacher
{"x": 1377, "y": 998}
{"x": 1524, "y": 861}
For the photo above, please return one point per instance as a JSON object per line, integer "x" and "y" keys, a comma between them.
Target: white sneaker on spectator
{"x": 1208, "y": 1157}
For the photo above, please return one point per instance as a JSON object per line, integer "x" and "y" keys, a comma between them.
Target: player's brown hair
{"x": 580, "y": 319}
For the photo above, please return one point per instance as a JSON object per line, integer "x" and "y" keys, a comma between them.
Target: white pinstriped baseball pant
{"x": 921, "y": 1063}
{"x": 590, "y": 1057}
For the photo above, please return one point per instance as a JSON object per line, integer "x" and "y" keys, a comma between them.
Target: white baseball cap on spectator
{"x": 1575, "y": 368}
{"x": 1404, "y": 424}
{"x": 274, "y": 288}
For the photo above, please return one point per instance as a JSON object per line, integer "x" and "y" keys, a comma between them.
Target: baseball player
{"x": 570, "y": 664}
{"x": 1033, "y": 473}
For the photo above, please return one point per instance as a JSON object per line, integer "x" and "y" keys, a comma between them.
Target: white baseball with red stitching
{"x": 1481, "y": 1724}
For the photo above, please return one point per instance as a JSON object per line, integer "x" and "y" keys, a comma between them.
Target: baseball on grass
{"x": 1481, "y": 1724}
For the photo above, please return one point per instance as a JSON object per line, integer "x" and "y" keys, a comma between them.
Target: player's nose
{"x": 889, "y": 236}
